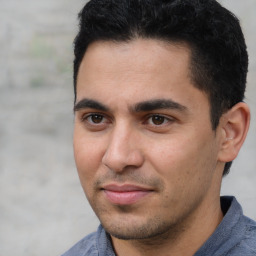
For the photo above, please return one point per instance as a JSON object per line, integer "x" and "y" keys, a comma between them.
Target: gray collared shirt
{"x": 235, "y": 236}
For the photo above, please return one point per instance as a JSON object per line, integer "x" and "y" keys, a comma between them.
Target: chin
{"x": 142, "y": 231}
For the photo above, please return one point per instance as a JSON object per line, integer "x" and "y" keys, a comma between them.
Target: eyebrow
{"x": 144, "y": 106}
{"x": 89, "y": 103}
{"x": 159, "y": 104}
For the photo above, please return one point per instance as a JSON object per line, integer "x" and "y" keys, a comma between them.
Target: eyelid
{"x": 84, "y": 118}
{"x": 168, "y": 119}
{"x": 106, "y": 120}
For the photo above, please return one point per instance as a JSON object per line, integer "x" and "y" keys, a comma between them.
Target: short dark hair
{"x": 219, "y": 59}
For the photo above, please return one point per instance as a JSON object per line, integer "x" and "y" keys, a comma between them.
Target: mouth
{"x": 126, "y": 194}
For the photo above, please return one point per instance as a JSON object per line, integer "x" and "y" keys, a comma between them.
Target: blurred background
{"x": 43, "y": 210}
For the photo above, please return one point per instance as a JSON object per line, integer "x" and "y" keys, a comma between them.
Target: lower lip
{"x": 126, "y": 197}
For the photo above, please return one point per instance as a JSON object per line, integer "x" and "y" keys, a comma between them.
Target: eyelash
{"x": 165, "y": 120}
{"x": 86, "y": 118}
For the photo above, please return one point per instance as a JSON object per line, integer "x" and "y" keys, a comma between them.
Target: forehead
{"x": 142, "y": 54}
{"x": 138, "y": 70}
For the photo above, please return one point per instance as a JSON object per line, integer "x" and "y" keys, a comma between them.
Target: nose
{"x": 123, "y": 150}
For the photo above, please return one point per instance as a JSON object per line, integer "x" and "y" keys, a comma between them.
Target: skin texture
{"x": 141, "y": 125}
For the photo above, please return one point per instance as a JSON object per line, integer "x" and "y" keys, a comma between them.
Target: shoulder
{"x": 246, "y": 245}
{"x": 242, "y": 231}
{"x": 235, "y": 235}
{"x": 94, "y": 244}
{"x": 86, "y": 246}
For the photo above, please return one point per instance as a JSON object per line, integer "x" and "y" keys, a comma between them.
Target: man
{"x": 159, "y": 118}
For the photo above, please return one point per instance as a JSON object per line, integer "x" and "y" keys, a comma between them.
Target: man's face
{"x": 145, "y": 151}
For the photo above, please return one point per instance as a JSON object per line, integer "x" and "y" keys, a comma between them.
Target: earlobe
{"x": 234, "y": 126}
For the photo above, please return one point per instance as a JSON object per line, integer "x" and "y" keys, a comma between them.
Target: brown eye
{"x": 95, "y": 118}
{"x": 158, "y": 120}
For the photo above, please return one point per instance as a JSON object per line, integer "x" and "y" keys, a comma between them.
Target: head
{"x": 219, "y": 59}
{"x": 158, "y": 88}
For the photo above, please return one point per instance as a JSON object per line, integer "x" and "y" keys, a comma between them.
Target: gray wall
{"x": 42, "y": 209}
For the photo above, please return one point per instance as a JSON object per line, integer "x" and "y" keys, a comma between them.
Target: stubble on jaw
{"x": 153, "y": 231}
{"x": 146, "y": 241}
{"x": 155, "y": 228}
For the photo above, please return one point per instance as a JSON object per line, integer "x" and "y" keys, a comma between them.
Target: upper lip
{"x": 125, "y": 188}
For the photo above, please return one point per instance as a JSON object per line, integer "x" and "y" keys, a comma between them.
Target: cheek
{"x": 170, "y": 156}
{"x": 183, "y": 161}
{"x": 88, "y": 156}
{"x": 186, "y": 170}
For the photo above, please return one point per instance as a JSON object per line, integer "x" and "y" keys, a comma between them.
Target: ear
{"x": 234, "y": 126}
